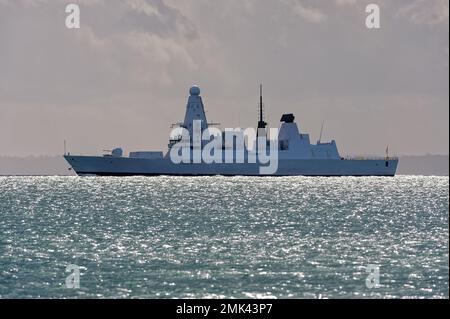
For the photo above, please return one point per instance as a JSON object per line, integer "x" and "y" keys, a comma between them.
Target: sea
{"x": 224, "y": 237}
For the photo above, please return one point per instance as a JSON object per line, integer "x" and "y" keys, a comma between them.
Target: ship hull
{"x": 125, "y": 166}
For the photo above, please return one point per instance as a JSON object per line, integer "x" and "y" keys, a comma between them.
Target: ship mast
{"x": 261, "y": 123}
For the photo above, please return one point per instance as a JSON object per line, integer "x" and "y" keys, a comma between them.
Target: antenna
{"x": 321, "y": 131}
{"x": 65, "y": 153}
{"x": 260, "y": 104}
{"x": 261, "y": 123}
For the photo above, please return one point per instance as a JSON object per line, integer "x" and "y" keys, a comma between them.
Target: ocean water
{"x": 217, "y": 237}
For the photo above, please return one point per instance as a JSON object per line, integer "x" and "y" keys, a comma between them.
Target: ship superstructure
{"x": 295, "y": 154}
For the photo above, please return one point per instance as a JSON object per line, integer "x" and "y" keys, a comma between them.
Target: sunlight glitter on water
{"x": 216, "y": 237}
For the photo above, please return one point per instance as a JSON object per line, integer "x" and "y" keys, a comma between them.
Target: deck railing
{"x": 379, "y": 158}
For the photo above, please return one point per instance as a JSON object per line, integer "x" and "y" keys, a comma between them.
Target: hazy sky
{"x": 123, "y": 77}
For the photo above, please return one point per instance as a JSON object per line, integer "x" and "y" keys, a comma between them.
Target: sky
{"x": 123, "y": 78}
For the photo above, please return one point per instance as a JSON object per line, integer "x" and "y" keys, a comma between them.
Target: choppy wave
{"x": 218, "y": 237}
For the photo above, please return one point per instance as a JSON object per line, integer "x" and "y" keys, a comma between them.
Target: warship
{"x": 285, "y": 151}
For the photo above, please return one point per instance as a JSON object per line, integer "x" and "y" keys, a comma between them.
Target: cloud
{"x": 346, "y": 2}
{"x": 428, "y": 12}
{"x": 309, "y": 13}
{"x": 123, "y": 77}
{"x": 136, "y": 45}
{"x": 143, "y": 6}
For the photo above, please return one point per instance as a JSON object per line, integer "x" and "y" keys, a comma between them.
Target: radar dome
{"x": 195, "y": 90}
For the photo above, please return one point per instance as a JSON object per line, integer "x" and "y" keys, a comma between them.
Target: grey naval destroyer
{"x": 296, "y": 155}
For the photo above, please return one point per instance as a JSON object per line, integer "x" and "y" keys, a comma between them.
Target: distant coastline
{"x": 34, "y": 166}
{"x": 427, "y": 165}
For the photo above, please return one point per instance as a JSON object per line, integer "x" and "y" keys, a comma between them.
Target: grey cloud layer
{"x": 133, "y": 60}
